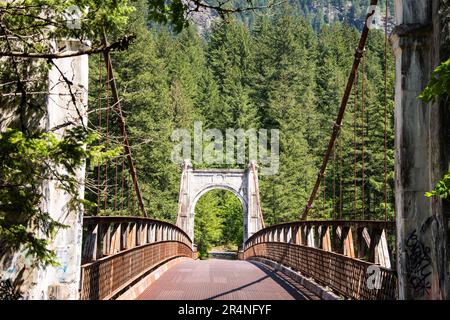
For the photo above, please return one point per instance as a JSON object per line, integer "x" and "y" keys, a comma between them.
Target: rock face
{"x": 422, "y": 145}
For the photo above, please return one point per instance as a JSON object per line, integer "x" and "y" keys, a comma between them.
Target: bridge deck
{"x": 224, "y": 280}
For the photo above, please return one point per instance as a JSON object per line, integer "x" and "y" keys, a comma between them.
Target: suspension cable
{"x": 129, "y": 196}
{"x": 337, "y": 126}
{"x": 363, "y": 129}
{"x": 355, "y": 173}
{"x": 133, "y": 200}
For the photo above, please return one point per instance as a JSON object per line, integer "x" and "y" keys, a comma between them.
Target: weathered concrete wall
{"x": 420, "y": 153}
{"x": 195, "y": 183}
{"x": 61, "y": 282}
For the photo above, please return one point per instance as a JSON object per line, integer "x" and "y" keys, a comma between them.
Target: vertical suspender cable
{"x": 116, "y": 183}
{"x": 133, "y": 200}
{"x": 107, "y": 138}
{"x": 255, "y": 181}
{"x": 324, "y": 186}
{"x": 334, "y": 183}
{"x": 355, "y": 174}
{"x": 122, "y": 189}
{"x": 341, "y": 191}
{"x": 129, "y": 193}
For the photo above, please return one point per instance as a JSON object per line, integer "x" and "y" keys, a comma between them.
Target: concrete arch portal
{"x": 241, "y": 182}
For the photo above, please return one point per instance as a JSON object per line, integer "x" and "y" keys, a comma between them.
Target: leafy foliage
{"x": 165, "y": 12}
{"x": 36, "y": 23}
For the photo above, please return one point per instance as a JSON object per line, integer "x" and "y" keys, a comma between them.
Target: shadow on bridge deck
{"x": 224, "y": 280}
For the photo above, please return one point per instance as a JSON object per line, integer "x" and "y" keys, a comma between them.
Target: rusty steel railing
{"x": 117, "y": 251}
{"x": 350, "y": 257}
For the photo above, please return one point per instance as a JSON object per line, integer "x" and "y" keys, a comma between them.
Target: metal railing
{"x": 350, "y": 257}
{"x": 117, "y": 251}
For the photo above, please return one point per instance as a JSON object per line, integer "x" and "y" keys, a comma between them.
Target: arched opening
{"x": 218, "y": 223}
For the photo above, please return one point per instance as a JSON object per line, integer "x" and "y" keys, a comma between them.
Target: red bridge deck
{"x": 225, "y": 280}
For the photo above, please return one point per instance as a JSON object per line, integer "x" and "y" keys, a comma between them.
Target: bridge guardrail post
{"x": 374, "y": 238}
